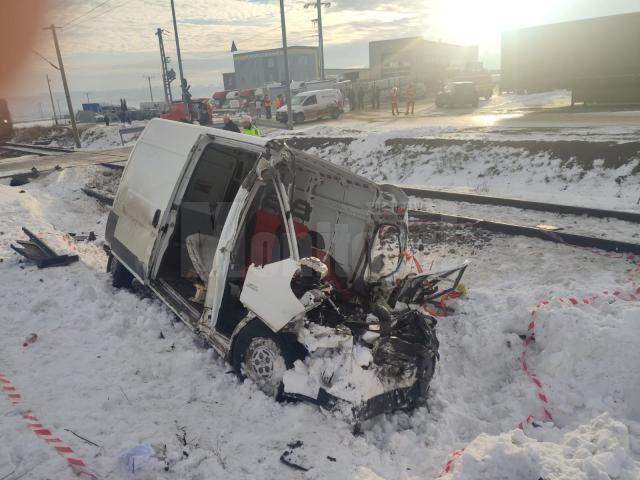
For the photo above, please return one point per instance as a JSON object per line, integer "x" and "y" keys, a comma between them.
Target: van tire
{"x": 120, "y": 276}
{"x": 298, "y": 118}
{"x": 270, "y": 351}
{"x": 335, "y": 114}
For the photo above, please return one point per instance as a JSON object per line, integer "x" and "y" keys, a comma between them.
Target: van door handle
{"x": 156, "y": 218}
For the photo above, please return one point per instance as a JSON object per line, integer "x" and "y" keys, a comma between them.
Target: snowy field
{"x": 556, "y": 165}
{"x": 117, "y": 368}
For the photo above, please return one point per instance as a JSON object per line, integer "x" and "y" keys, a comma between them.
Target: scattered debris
{"x": 135, "y": 458}
{"x": 36, "y": 250}
{"x": 82, "y": 438}
{"x": 91, "y": 237}
{"x": 32, "y": 338}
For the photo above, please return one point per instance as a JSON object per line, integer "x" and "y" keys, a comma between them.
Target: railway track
{"x": 528, "y": 231}
{"x": 34, "y": 149}
{"x": 524, "y": 204}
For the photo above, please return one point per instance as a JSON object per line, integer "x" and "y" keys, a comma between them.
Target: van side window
{"x": 311, "y": 101}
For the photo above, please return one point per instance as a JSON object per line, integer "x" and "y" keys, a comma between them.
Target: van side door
{"x": 153, "y": 172}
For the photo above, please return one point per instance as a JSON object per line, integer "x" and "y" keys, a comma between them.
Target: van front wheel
{"x": 335, "y": 114}
{"x": 299, "y": 117}
{"x": 120, "y": 276}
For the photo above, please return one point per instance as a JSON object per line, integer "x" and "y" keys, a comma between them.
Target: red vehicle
{"x": 6, "y": 126}
{"x": 199, "y": 111}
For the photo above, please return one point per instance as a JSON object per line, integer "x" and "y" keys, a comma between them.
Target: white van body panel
{"x": 149, "y": 181}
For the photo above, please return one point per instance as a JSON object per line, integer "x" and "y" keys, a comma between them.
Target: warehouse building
{"x": 417, "y": 58}
{"x": 597, "y": 59}
{"x": 254, "y": 69}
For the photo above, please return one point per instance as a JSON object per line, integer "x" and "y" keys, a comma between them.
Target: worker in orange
{"x": 266, "y": 103}
{"x": 411, "y": 98}
{"x": 394, "y": 102}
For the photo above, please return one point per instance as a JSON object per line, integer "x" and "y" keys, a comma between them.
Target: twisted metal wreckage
{"x": 289, "y": 266}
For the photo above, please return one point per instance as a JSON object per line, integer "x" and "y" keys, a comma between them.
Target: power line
{"x": 85, "y": 14}
{"x": 100, "y": 14}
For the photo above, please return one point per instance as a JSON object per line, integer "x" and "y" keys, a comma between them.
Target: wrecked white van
{"x": 289, "y": 266}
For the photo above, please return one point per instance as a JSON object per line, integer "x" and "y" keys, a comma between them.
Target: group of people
{"x": 264, "y": 105}
{"x": 357, "y": 98}
{"x": 246, "y": 126}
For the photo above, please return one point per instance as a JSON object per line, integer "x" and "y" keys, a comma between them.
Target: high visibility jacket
{"x": 252, "y": 130}
{"x": 267, "y": 102}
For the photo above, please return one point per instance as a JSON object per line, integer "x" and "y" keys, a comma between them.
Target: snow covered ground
{"x": 117, "y": 369}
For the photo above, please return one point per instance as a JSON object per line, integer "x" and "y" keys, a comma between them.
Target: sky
{"x": 109, "y": 46}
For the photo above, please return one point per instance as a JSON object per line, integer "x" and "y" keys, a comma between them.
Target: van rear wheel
{"x": 120, "y": 276}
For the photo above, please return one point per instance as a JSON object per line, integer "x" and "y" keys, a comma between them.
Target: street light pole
{"x": 148, "y": 77}
{"x": 286, "y": 67}
{"x": 183, "y": 83}
{"x": 320, "y": 41}
{"x": 72, "y": 117}
{"x": 55, "y": 117}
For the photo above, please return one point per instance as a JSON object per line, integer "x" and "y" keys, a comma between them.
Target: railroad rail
{"x": 534, "y": 232}
{"x": 524, "y": 204}
{"x": 34, "y": 149}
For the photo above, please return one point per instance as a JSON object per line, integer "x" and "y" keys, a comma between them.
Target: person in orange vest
{"x": 267, "y": 105}
{"x": 411, "y": 98}
{"x": 394, "y": 102}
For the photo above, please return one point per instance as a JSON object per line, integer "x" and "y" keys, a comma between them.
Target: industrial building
{"x": 417, "y": 58}
{"x": 597, "y": 59}
{"x": 254, "y": 69}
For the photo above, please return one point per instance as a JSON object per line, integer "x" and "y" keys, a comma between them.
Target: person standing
{"x": 411, "y": 98}
{"x": 267, "y": 106}
{"x": 394, "y": 102}
{"x": 106, "y": 119}
{"x": 258, "y": 108}
{"x": 377, "y": 96}
{"x": 352, "y": 99}
{"x": 373, "y": 96}
{"x": 229, "y": 125}
{"x": 360, "y": 98}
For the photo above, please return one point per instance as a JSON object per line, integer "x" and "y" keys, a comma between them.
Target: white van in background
{"x": 313, "y": 105}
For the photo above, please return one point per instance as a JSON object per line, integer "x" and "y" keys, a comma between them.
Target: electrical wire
{"x": 100, "y": 14}
{"x": 85, "y": 14}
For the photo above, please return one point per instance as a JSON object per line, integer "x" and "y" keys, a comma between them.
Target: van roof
{"x": 315, "y": 92}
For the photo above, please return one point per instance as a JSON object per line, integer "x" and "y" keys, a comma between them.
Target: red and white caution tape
{"x": 632, "y": 295}
{"x": 33, "y": 423}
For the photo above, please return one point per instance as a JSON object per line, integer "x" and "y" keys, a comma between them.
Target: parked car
{"x": 290, "y": 267}
{"x": 457, "y": 94}
{"x": 313, "y": 105}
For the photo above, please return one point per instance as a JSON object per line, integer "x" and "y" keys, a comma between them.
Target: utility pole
{"x": 319, "y": 4}
{"x": 183, "y": 83}
{"x": 148, "y": 77}
{"x": 72, "y": 117}
{"x": 166, "y": 73}
{"x": 55, "y": 117}
{"x": 87, "y": 94}
{"x": 286, "y": 67}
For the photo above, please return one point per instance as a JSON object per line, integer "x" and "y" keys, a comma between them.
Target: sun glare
{"x": 481, "y": 22}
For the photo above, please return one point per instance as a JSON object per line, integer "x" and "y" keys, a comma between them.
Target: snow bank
{"x": 563, "y": 169}
{"x": 596, "y": 450}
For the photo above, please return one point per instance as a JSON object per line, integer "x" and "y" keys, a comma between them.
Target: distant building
{"x": 597, "y": 59}
{"x": 417, "y": 58}
{"x": 255, "y": 69}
